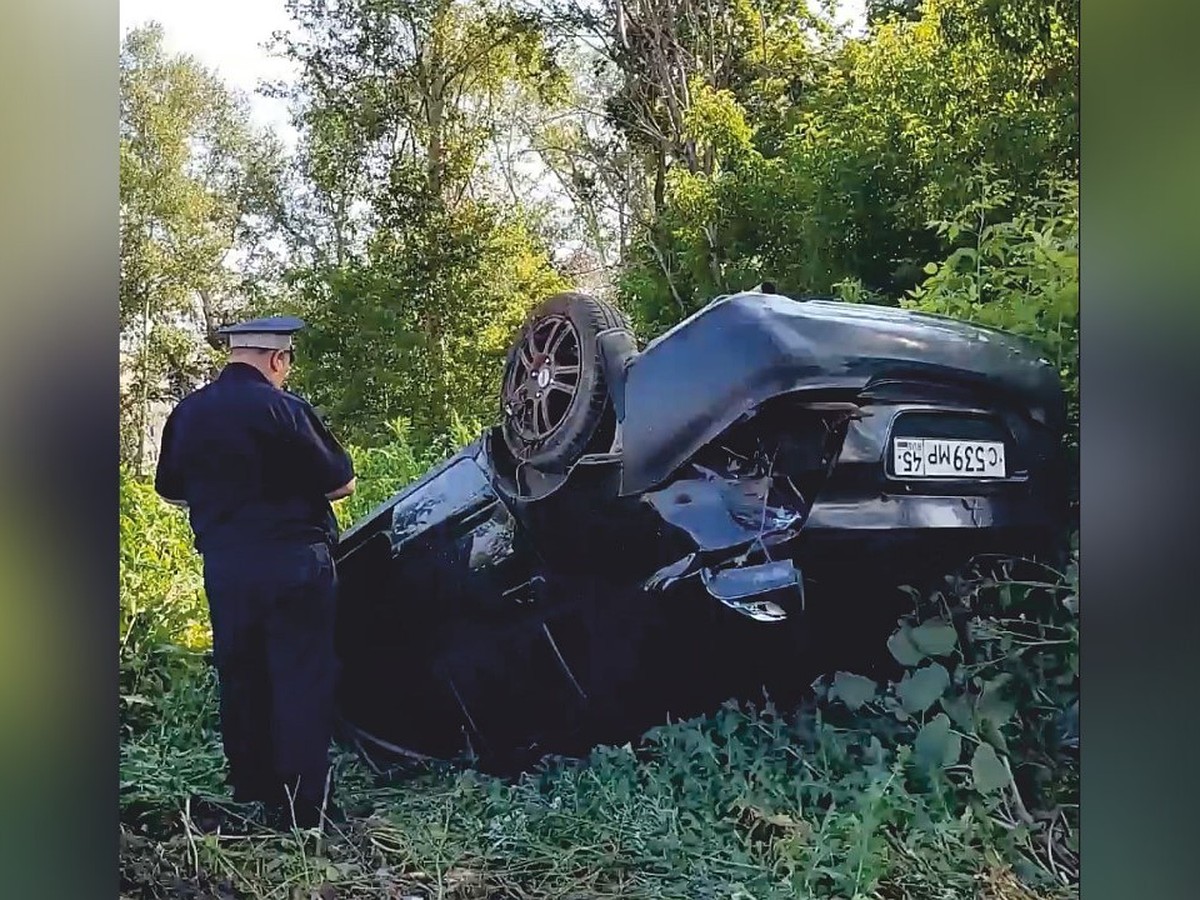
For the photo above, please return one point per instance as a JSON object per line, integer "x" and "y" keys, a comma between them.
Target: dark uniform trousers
{"x": 272, "y": 610}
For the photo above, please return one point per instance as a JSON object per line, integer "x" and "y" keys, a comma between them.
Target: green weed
{"x": 960, "y": 779}
{"x": 894, "y": 797}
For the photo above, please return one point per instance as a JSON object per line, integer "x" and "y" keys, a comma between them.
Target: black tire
{"x": 544, "y": 425}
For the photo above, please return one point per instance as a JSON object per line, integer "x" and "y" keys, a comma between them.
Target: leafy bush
{"x": 989, "y": 704}
{"x": 958, "y": 780}
{"x": 163, "y": 613}
{"x": 1015, "y": 266}
{"x": 420, "y": 325}
{"x": 383, "y": 470}
{"x": 161, "y": 584}
{"x": 172, "y": 748}
{"x": 828, "y": 174}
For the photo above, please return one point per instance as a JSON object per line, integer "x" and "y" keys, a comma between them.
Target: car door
{"x": 444, "y": 641}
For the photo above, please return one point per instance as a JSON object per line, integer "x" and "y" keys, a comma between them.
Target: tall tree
{"x": 416, "y": 277}
{"x": 196, "y": 183}
{"x": 581, "y": 176}
{"x": 692, "y": 74}
{"x": 879, "y": 11}
{"x": 851, "y": 149}
{"x": 393, "y": 87}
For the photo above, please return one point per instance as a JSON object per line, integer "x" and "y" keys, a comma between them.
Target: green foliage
{"x": 853, "y": 690}
{"x": 852, "y": 156}
{"x": 996, "y": 720}
{"x": 411, "y": 279}
{"x": 167, "y": 700}
{"x": 882, "y": 10}
{"x": 1015, "y": 266}
{"x": 170, "y": 744}
{"x": 389, "y": 84}
{"x": 419, "y": 328}
{"x": 194, "y": 178}
{"x": 715, "y": 122}
{"x": 162, "y": 605}
{"x": 960, "y": 779}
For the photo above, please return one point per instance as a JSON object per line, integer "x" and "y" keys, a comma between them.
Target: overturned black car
{"x": 650, "y": 531}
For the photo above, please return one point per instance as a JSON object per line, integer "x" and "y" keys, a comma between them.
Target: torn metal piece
{"x": 736, "y": 587}
{"x": 766, "y": 611}
{"x": 751, "y": 581}
{"x": 719, "y": 513}
{"x": 676, "y": 571}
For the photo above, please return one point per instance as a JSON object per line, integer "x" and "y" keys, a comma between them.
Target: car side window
{"x": 450, "y": 492}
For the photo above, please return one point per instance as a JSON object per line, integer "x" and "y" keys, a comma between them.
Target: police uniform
{"x": 253, "y": 464}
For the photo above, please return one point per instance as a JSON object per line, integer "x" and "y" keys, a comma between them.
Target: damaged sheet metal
{"x": 732, "y": 585}
{"x": 739, "y": 351}
{"x": 670, "y": 574}
{"x": 720, "y": 513}
{"x": 764, "y": 611}
{"x": 495, "y": 609}
{"x": 742, "y": 589}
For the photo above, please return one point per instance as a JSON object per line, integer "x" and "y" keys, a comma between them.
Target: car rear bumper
{"x": 911, "y": 537}
{"x": 890, "y": 512}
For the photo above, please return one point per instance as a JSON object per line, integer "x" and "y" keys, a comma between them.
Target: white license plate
{"x": 943, "y": 458}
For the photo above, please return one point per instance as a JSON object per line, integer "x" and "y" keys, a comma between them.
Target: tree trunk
{"x": 660, "y": 180}
{"x": 144, "y": 403}
{"x": 436, "y": 149}
{"x": 434, "y": 78}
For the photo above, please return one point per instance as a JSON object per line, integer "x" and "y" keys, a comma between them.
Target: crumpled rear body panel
{"x": 689, "y": 385}
{"x": 486, "y": 608}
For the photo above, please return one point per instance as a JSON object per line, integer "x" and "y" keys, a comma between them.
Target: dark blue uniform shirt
{"x": 252, "y": 462}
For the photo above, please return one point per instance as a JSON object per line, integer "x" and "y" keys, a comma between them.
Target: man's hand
{"x": 344, "y": 491}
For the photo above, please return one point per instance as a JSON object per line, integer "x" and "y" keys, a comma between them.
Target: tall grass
{"x": 958, "y": 780}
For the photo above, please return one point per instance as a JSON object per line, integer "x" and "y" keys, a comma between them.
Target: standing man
{"x": 256, "y": 469}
